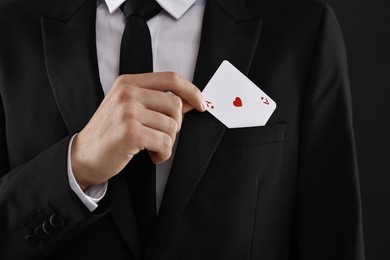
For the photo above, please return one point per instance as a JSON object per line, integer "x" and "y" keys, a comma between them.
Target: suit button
{"x": 48, "y": 228}
{"x": 57, "y": 221}
{"x": 39, "y": 232}
{"x": 31, "y": 240}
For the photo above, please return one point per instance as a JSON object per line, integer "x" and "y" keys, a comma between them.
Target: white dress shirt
{"x": 175, "y": 34}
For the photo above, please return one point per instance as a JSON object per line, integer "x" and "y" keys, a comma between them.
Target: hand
{"x": 141, "y": 111}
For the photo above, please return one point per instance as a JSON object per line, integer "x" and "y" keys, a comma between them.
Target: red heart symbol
{"x": 237, "y": 102}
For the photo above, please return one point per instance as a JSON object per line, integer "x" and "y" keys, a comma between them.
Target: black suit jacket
{"x": 287, "y": 190}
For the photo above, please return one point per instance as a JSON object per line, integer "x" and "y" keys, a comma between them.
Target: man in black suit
{"x": 287, "y": 190}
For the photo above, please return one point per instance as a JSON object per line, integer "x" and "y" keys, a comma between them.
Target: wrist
{"x": 80, "y": 169}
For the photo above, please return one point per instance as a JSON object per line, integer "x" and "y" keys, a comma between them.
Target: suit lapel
{"x": 229, "y": 33}
{"x": 71, "y": 61}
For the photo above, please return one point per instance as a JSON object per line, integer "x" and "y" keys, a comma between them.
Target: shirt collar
{"x": 176, "y": 8}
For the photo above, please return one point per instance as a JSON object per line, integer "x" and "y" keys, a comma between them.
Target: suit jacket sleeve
{"x": 328, "y": 215}
{"x": 38, "y": 210}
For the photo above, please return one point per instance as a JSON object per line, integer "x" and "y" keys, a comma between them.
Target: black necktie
{"x": 136, "y": 57}
{"x": 136, "y": 46}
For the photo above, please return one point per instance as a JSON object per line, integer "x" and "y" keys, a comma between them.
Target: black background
{"x": 366, "y": 28}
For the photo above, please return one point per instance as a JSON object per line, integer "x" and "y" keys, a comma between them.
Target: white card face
{"x": 235, "y": 100}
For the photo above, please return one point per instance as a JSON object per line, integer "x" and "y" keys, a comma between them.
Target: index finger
{"x": 168, "y": 81}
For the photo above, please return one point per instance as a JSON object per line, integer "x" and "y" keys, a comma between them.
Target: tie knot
{"x": 144, "y": 8}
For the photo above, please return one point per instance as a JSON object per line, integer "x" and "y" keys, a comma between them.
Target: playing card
{"x": 235, "y": 100}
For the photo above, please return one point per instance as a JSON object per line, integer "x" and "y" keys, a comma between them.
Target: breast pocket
{"x": 246, "y": 154}
{"x": 249, "y": 136}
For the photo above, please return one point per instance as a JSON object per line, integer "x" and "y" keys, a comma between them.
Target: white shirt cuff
{"x": 91, "y": 196}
